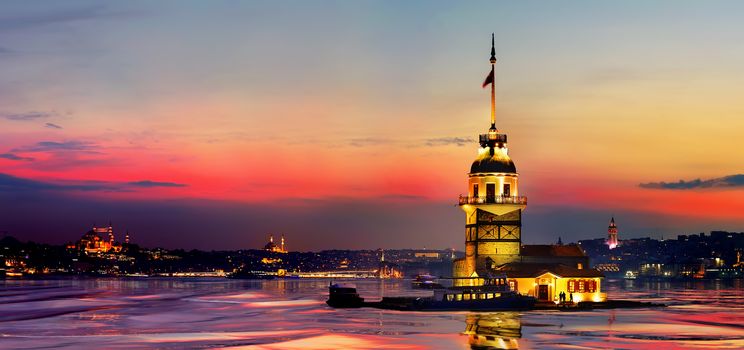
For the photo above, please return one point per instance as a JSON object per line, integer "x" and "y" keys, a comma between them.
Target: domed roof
{"x": 498, "y": 162}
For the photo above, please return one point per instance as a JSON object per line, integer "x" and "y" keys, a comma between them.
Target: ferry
{"x": 426, "y": 282}
{"x": 497, "y": 297}
{"x": 483, "y": 298}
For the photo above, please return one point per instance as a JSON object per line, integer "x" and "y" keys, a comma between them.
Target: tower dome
{"x": 493, "y": 161}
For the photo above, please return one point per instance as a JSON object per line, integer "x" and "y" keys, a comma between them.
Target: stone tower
{"x": 612, "y": 234}
{"x": 493, "y": 207}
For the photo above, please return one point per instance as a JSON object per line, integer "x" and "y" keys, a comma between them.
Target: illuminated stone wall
{"x": 556, "y": 285}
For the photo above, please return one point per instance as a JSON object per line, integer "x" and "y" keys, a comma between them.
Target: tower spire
{"x": 493, "y": 82}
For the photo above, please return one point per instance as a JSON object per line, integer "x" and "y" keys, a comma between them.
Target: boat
{"x": 482, "y": 298}
{"x": 426, "y": 282}
{"x": 344, "y": 295}
{"x": 494, "y": 297}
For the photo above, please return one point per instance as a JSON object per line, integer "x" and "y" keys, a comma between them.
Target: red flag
{"x": 489, "y": 79}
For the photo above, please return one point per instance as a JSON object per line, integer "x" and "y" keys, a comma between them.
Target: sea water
{"x": 164, "y": 313}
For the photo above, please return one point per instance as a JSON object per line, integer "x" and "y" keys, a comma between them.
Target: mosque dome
{"x": 270, "y": 246}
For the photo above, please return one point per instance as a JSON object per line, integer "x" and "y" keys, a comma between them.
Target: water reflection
{"x": 287, "y": 314}
{"x": 500, "y": 330}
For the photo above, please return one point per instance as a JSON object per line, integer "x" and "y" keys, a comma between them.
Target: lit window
{"x": 582, "y": 286}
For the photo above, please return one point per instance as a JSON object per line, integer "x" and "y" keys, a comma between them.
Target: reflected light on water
{"x": 221, "y": 313}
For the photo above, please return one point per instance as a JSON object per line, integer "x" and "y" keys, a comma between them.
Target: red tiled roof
{"x": 552, "y": 250}
{"x": 519, "y": 270}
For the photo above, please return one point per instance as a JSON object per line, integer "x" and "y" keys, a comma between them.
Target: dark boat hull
{"x": 503, "y": 303}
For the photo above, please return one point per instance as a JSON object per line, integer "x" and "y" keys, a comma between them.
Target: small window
{"x": 475, "y": 190}
{"x": 580, "y": 266}
{"x": 582, "y": 286}
{"x": 513, "y": 285}
{"x": 592, "y": 286}
{"x": 507, "y": 190}
{"x": 571, "y": 286}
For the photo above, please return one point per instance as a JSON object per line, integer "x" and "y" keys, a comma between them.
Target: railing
{"x": 493, "y": 200}
{"x": 492, "y": 137}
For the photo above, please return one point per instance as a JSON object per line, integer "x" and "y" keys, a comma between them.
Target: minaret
{"x": 612, "y": 234}
{"x": 382, "y": 255}
{"x": 283, "y": 250}
{"x": 493, "y": 207}
{"x": 126, "y": 238}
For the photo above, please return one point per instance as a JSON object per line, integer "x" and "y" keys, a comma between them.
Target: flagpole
{"x": 493, "y": 83}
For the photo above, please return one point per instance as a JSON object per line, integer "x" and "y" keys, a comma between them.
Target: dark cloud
{"x": 721, "y": 182}
{"x": 10, "y": 183}
{"x": 368, "y": 141}
{"x": 54, "y": 146}
{"x": 28, "y": 116}
{"x": 47, "y": 17}
{"x": 446, "y": 141}
{"x": 148, "y": 183}
{"x": 12, "y": 156}
{"x": 52, "y": 126}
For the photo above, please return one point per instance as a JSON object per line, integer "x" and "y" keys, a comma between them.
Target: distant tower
{"x": 382, "y": 255}
{"x": 282, "y": 246}
{"x": 126, "y": 238}
{"x": 612, "y": 234}
{"x": 560, "y": 241}
{"x": 493, "y": 207}
{"x": 111, "y": 232}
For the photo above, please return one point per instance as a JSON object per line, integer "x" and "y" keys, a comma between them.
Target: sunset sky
{"x": 352, "y": 124}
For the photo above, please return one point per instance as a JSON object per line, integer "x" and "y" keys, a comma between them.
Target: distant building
{"x": 386, "y": 269}
{"x": 272, "y": 247}
{"x": 493, "y": 231}
{"x": 98, "y": 240}
{"x": 612, "y": 234}
{"x": 426, "y": 255}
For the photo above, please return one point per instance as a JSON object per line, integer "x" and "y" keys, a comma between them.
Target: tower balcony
{"x": 493, "y": 200}
{"x": 491, "y": 139}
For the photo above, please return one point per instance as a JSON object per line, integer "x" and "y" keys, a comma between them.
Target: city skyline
{"x": 342, "y": 133}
